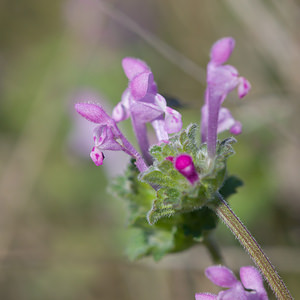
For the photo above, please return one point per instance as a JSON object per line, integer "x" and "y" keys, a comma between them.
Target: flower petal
{"x": 222, "y": 80}
{"x": 244, "y": 87}
{"x": 146, "y": 112}
{"x": 227, "y": 122}
{"x": 160, "y": 101}
{"x": 160, "y": 131}
{"x": 97, "y": 156}
{"x": 93, "y": 113}
{"x": 221, "y": 276}
{"x": 133, "y": 66}
{"x": 205, "y": 296}
{"x": 252, "y": 280}
{"x": 140, "y": 84}
{"x": 105, "y": 139}
{"x": 236, "y": 128}
{"x": 173, "y": 122}
{"x": 221, "y": 50}
{"x": 121, "y": 111}
{"x": 235, "y": 293}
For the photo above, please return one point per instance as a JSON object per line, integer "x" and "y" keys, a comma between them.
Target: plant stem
{"x": 252, "y": 247}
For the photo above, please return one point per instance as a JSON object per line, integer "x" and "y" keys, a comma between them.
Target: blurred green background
{"x": 61, "y": 233}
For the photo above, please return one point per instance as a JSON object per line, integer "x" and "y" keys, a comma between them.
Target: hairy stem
{"x": 255, "y": 251}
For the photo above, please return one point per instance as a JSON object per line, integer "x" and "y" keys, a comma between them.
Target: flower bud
{"x": 185, "y": 166}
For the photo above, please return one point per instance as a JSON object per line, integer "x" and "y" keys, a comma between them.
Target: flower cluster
{"x": 107, "y": 135}
{"x": 143, "y": 104}
{"x": 250, "y": 288}
{"x": 182, "y": 178}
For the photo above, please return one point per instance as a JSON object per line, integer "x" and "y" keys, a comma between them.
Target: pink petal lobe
{"x": 160, "y": 131}
{"x": 221, "y": 50}
{"x": 237, "y": 292}
{"x": 173, "y": 122}
{"x": 97, "y": 156}
{"x": 236, "y": 128}
{"x": 244, "y": 87}
{"x": 251, "y": 279}
{"x": 221, "y": 276}
{"x": 139, "y": 85}
{"x": 205, "y": 296}
{"x": 93, "y": 113}
{"x": 121, "y": 111}
{"x": 133, "y": 66}
{"x": 146, "y": 112}
{"x": 105, "y": 138}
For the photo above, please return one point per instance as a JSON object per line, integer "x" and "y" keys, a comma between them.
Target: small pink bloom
{"x": 221, "y": 80}
{"x": 250, "y": 288}
{"x": 143, "y": 104}
{"x": 184, "y": 165}
{"x": 107, "y": 135}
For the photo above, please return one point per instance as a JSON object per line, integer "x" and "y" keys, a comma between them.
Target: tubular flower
{"x": 107, "y": 135}
{"x": 221, "y": 80}
{"x": 250, "y": 288}
{"x": 143, "y": 104}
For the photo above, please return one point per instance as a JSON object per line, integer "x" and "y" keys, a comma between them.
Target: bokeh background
{"x": 61, "y": 233}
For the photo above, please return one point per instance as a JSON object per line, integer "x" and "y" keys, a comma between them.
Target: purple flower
{"x": 250, "y": 288}
{"x": 221, "y": 80}
{"x": 143, "y": 104}
{"x": 107, "y": 135}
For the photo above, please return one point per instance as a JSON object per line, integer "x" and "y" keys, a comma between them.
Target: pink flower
{"x": 143, "y": 104}
{"x": 107, "y": 135}
{"x": 250, "y": 288}
{"x": 221, "y": 80}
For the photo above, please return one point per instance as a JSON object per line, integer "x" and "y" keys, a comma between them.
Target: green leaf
{"x": 230, "y": 185}
{"x": 158, "y": 178}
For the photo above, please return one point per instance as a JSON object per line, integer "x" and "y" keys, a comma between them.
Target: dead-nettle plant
{"x": 176, "y": 190}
